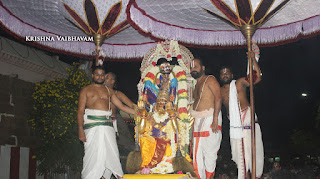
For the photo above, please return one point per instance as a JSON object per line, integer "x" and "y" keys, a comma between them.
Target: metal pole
{"x": 98, "y": 40}
{"x": 248, "y": 31}
{"x": 97, "y": 56}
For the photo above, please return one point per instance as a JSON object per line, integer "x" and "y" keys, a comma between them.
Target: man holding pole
{"x": 234, "y": 98}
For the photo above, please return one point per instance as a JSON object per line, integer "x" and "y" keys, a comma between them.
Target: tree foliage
{"x": 54, "y": 119}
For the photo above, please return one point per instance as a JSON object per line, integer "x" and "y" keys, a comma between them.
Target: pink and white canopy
{"x": 75, "y": 18}
{"x": 213, "y": 22}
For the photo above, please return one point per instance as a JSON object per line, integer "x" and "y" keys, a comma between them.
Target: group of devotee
{"x": 99, "y": 101}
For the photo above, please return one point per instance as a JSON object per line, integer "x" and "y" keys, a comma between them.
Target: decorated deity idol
{"x": 163, "y": 119}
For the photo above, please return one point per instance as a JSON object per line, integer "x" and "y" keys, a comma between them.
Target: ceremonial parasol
{"x": 189, "y": 23}
{"x": 223, "y": 23}
{"x": 75, "y": 27}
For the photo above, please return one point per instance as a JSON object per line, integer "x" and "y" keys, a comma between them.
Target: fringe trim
{"x": 22, "y": 29}
{"x": 275, "y": 34}
{"x": 311, "y": 25}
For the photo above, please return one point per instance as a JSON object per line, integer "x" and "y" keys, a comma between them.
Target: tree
{"x": 54, "y": 119}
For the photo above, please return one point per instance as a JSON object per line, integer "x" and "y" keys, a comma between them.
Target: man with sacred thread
{"x": 207, "y": 123}
{"x": 96, "y": 130}
{"x": 234, "y": 98}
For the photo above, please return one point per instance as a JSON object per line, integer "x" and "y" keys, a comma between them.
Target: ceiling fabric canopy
{"x": 205, "y": 23}
{"x": 213, "y": 22}
{"x": 82, "y": 18}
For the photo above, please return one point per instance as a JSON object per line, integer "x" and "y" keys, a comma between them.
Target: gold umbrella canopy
{"x": 70, "y": 26}
{"x": 207, "y": 22}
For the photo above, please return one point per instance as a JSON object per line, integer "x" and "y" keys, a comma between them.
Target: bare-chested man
{"x": 125, "y": 138}
{"x": 110, "y": 83}
{"x": 208, "y": 120}
{"x": 234, "y": 98}
{"x": 96, "y": 130}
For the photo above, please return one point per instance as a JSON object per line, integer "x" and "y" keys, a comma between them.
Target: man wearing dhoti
{"x": 207, "y": 124}
{"x": 234, "y": 97}
{"x": 96, "y": 130}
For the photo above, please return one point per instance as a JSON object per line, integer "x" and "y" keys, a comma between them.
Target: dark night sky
{"x": 288, "y": 70}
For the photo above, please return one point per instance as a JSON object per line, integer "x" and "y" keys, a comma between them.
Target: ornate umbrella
{"x": 188, "y": 21}
{"x": 222, "y": 23}
{"x": 68, "y": 26}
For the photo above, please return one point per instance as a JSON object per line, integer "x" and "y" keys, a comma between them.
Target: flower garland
{"x": 182, "y": 90}
{"x": 160, "y": 118}
{"x": 151, "y": 74}
{"x": 180, "y": 74}
{"x": 163, "y": 167}
{"x": 173, "y": 142}
{"x": 101, "y": 55}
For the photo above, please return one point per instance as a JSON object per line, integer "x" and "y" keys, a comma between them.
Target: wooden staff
{"x": 248, "y": 31}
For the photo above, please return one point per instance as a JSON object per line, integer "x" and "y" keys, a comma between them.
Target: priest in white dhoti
{"x": 101, "y": 152}
{"x": 234, "y": 97}
{"x": 96, "y": 129}
{"x": 207, "y": 123}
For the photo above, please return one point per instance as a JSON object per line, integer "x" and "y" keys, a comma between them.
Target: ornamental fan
{"x": 245, "y": 12}
{"x": 106, "y": 19}
{"x": 70, "y": 25}
{"x": 215, "y": 23}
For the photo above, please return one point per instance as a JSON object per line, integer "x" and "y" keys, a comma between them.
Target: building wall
{"x": 22, "y": 73}
{"x": 15, "y": 106}
{"x": 20, "y": 67}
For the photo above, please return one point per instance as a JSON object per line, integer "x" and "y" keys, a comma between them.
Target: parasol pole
{"x": 98, "y": 41}
{"x": 248, "y": 31}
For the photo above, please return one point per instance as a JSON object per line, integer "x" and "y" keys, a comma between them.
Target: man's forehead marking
{"x": 225, "y": 70}
{"x": 193, "y": 62}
